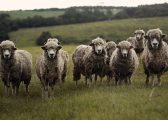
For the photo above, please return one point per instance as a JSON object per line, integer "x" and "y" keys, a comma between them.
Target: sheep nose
{"x": 99, "y": 50}
{"x": 52, "y": 54}
{"x": 6, "y": 55}
{"x": 154, "y": 44}
{"x": 125, "y": 54}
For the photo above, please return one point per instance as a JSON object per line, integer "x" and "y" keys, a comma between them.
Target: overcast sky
{"x": 36, "y": 4}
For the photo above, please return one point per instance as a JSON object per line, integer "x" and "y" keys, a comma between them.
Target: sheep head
{"x": 7, "y": 49}
{"x": 154, "y": 39}
{"x": 124, "y": 48}
{"x": 51, "y": 49}
{"x": 98, "y": 46}
{"x": 139, "y": 35}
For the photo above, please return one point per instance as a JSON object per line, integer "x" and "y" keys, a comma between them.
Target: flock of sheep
{"x": 100, "y": 58}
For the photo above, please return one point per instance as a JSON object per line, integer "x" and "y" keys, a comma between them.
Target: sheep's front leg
{"x": 147, "y": 79}
{"x": 116, "y": 80}
{"x": 159, "y": 80}
{"x": 152, "y": 80}
{"x": 95, "y": 78}
{"x": 90, "y": 81}
{"x": 52, "y": 90}
{"x": 44, "y": 89}
{"x": 6, "y": 89}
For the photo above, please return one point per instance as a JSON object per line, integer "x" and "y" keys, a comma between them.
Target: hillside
{"x": 116, "y": 30}
{"x": 21, "y": 14}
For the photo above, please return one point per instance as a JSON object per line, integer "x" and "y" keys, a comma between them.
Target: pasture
{"x": 100, "y": 102}
{"x": 131, "y": 102}
{"x": 21, "y": 14}
{"x": 115, "y": 30}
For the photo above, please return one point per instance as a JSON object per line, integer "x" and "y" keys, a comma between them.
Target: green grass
{"x": 31, "y": 13}
{"x": 115, "y": 30}
{"x": 100, "y": 102}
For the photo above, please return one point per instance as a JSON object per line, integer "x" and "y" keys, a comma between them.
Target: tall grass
{"x": 100, "y": 102}
{"x": 115, "y": 30}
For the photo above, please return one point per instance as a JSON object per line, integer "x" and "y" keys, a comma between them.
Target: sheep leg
{"x": 152, "y": 80}
{"x": 159, "y": 80}
{"x": 51, "y": 89}
{"x": 126, "y": 80}
{"x": 46, "y": 92}
{"x": 6, "y": 90}
{"x": 95, "y": 78}
{"x": 86, "y": 81}
{"x": 147, "y": 79}
{"x": 108, "y": 80}
{"x": 116, "y": 80}
{"x": 27, "y": 89}
{"x": 129, "y": 79}
{"x": 76, "y": 82}
{"x": 90, "y": 81}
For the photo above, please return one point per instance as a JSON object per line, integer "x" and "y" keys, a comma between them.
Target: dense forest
{"x": 80, "y": 15}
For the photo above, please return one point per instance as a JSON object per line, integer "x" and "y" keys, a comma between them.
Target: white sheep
{"x": 123, "y": 62}
{"x": 16, "y": 66}
{"x": 51, "y": 67}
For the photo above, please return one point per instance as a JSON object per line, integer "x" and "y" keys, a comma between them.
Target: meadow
{"x": 101, "y": 101}
{"x": 21, "y": 14}
{"x": 115, "y": 30}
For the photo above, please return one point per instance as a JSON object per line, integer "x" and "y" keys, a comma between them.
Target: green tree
{"x": 43, "y": 38}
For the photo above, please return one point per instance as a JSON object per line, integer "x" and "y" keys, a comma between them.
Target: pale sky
{"x": 37, "y": 4}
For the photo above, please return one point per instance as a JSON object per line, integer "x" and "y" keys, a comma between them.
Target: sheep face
{"x": 154, "y": 38}
{"x": 139, "y": 34}
{"x": 7, "y": 51}
{"x": 98, "y": 45}
{"x": 51, "y": 49}
{"x": 110, "y": 47}
{"x": 54, "y": 39}
{"x": 124, "y": 48}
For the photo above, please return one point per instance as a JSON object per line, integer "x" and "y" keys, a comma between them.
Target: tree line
{"x": 81, "y": 15}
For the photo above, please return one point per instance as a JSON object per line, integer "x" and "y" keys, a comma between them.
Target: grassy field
{"x": 116, "y": 30}
{"x": 100, "y": 102}
{"x": 31, "y": 13}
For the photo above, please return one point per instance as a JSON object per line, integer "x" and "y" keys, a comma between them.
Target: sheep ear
{"x": 91, "y": 44}
{"x": 163, "y": 36}
{"x": 118, "y": 46}
{"x": 131, "y": 47}
{"x": 59, "y": 47}
{"x": 14, "y": 48}
{"x": 43, "y": 47}
{"x": 146, "y": 37}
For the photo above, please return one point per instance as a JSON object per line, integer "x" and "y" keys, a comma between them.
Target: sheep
{"x": 16, "y": 66}
{"x": 138, "y": 41}
{"x": 155, "y": 56}
{"x": 54, "y": 39}
{"x": 110, "y": 48}
{"x": 89, "y": 60}
{"x": 123, "y": 62}
{"x": 51, "y": 67}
